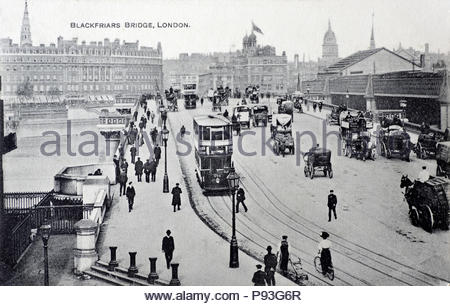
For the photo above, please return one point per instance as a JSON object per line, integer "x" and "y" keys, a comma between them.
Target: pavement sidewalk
{"x": 202, "y": 254}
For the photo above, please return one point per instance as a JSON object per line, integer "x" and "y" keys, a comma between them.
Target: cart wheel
{"x": 388, "y": 154}
{"x": 428, "y": 219}
{"x": 414, "y": 216}
{"x": 374, "y": 154}
{"x": 311, "y": 173}
{"x": 305, "y": 170}
{"x": 330, "y": 173}
{"x": 382, "y": 150}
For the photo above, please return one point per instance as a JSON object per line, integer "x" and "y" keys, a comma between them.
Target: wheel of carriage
{"x": 383, "y": 150}
{"x": 311, "y": 172}
{"x": 373, "y": 154}
{"x": 388, "y": 154}
{"x": 330, "y": 173}
{"x": 428, "y": 219}
{"x": 414, "y": 216}
{"x": 406, "y": 157}
{"x": 305, "y": 170}
{"x": 348, "y": 151}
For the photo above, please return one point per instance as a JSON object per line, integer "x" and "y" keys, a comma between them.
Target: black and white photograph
{"x": 225, "y": 143}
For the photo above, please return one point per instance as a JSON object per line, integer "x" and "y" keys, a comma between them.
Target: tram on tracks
{"x": 213, "y": 142}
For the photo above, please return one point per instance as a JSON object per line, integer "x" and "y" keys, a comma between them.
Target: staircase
{"x": 119, "y": 277}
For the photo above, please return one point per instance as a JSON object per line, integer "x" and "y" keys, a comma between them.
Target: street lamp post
{"x": 45, "y": 233}
{"x": 233, "y": 184}
{"x": 347, "y": 97}
{"x": 165, "y": 137}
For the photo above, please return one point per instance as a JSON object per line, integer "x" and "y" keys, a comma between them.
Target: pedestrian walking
{"x": 138, "y": 168}
{"x": 141, "y": 125}
{"x": 124, "y": 165}
{"x": 157, "y": 152}
{"x": 240, "y": 197}
{"x": 176, "y": 198}
{"x": 152, "y": 116}
{"x": 201, "y": 101}
{"x": 270, "y": 262}
{"x": 284, "y": 255}
{"x": 148, "y": 113}
{"x": 133, "y": 154}
{"x": 168, "y": 246}
{"x": 130, "y": 196}
{"x": 332, "y": 202}
{"x": 116, "y": 167}
{"x": 320, "y": 106}
{"x": 314, "y": 106}
{"x": 153, "y": 168}
{"x": 147, "y": 170}
{"x": 123, "y": 178}
{"x": 259, "y": 277}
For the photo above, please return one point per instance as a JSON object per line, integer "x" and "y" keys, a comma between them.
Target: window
{"x": 206, "y": 133}
{"x": 216, "y": 163}
{"x": 217, "y": 134}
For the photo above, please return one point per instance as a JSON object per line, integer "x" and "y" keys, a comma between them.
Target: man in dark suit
{"x": 168, "y": 246}
{"x": 176, "y": 197}
{"x": 157, "y": 152}
{"x": 259, "y": 277}
{"x": 240, "y": 197}
{"x": 147, "y": 170}
{"x": 138, "y": 168}
{"x": 133, "y": 153}
{"x": 332, "y": 202}
{"x": 130, "y": 196}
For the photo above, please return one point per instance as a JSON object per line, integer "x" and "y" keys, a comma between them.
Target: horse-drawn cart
{"x": 318, "y": 159}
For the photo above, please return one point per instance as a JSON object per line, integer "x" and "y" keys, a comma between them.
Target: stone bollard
{"x": 113, "y": 262}
{"x": 174, "y": 281}
{"x": 132, "y": 270}
{"x": 152, "y": 276}
{"x": 84, "y": 254}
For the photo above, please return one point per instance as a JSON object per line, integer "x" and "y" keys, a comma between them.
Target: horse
{"x": 405, "y": 182}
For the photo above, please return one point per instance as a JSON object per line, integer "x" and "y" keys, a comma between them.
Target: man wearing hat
{"x": 259, "y": 277}
{"x": 284, "y": 255}
{"x": 168, "y": 246}
{"x": 176, "y": 198}
{"x": 325, "y": 254}
{"x": 332, "y": 202}
{"x": 270, "y": 262}
{"x": 130, "y": 196}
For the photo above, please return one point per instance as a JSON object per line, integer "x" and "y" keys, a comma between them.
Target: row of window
{"x": 73, "y": 59}
{"x": 77, "y": 87}
{"x": 82, "y": 51}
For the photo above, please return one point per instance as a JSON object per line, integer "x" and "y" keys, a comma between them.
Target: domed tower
{"x": 329, "y": 46}
{"x": 252, "y": 40}
{"x": 245, "y": 42}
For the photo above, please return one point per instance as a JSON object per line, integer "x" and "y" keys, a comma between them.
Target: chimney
{"x": 296, "y": 61}
{"x": 422, "y": 60}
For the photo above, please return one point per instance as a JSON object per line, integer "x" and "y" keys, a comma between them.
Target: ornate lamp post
{"x": 165, "y": 137}
{"x": 347, "y": 97}
{"x": 233, "y": 184}
{"x": 45, "y": 234}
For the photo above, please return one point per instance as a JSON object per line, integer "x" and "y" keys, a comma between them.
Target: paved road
{"x": 374, "y": 242}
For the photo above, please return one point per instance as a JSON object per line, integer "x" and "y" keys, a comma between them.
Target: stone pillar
{"x": 85, "y": 254}
{"x": 113, "y": 262}
{"x": 132, "y": 270}
{"x": 174, "y": 281}
{"x": 369, "y": 96}
{"x": 112, "y": 139}
{"x": 152, "y": 276}
{"x": 326, "y": 92}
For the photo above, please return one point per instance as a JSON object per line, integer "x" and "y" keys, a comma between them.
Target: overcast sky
{"x": 294, "y": 26}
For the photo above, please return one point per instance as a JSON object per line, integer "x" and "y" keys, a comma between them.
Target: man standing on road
{"x": 240, "y": 197}
{"x": 147, "y": 170}
{"x": 168, "y": 246}
{"x": 270, "y": 262}
{"x": 157, "y": 152}
{"x": 332, "y": 202}
{"x": 284, "y": 255}
{"x": 153, "y": 168}
{"x": 123, "y": 178}
{"x": 116, "y": 167}
{"x": 133, "y": 153}
{"x": 124, "y": 165}
{"x": 176, "y": 197}
{"x": 138, "y": 168}
{"x": 130, "y": 196}
{"x": 259, "y": 277}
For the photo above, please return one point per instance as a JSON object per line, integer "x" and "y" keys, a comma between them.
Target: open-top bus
{"x": 213, "y": 141}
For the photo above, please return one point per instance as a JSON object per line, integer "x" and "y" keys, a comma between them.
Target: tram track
{"x": 365, "y": 257}
{"x": 259, "y": 183}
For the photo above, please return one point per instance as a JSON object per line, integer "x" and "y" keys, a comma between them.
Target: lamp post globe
{"x": 233, "y": 184}
{"x": 165, "y": 137}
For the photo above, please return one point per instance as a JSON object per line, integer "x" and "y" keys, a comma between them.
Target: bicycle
{"x": 318, "y": 266}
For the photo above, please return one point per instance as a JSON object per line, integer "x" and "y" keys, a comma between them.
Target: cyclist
{"x": 325, "y": 254}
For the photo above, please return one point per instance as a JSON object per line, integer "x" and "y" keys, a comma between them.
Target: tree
{"x": 25, "y": 89}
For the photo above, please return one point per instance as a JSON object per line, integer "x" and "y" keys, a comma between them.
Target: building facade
{"x": 68, "y": 67}
{"x": 330, "y": 49}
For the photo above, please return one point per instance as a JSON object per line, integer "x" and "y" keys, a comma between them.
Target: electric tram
{"x": 213, "y": 141}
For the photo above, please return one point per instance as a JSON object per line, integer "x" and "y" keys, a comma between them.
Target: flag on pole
{"x": 256, "y": 28}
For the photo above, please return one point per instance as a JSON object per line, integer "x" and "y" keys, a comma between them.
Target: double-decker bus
{"x": 213, "y": 141}
{"x": 190, "y": 96}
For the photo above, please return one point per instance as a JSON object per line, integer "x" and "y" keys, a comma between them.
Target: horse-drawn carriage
{"x": 261, "y": 115}
{"x": 356, "y": 140}
{"x": 243, "y": 115}
{"x": 428, "y": 202}
{"x": 252, "y": 93}
{"x": 443, "y": 159}
{"x": 333, "y": 117}
{"x": 427, "y": 144}
{"x": 172, "y": 103}
{"x": 395, "y": 141}
{"x": 286, "y": 107}
{"x": 281, "y": 133}
{"x": 318, "y": 159}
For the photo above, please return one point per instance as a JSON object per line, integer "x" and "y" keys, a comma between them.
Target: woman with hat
{"x": 284, "y": 255}
{"x": 325, "y": 254}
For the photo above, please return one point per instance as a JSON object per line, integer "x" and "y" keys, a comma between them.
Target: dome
{"x": 252, "y": 37}
{"x": 329, "y": 37}
{"x": 245, "y": 39}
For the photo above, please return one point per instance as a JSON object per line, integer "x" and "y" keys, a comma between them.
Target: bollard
{"x": 113, "y": 262}
{"x": 174, "y": 281}
{"x": 132, "y": 270}
{"x": 152, "y": 276}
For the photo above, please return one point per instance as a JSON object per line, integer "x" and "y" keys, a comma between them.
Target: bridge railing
{"x": 13, "y": 202}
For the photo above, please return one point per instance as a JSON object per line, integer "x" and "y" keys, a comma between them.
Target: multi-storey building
{"x": 68, "y": 68}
